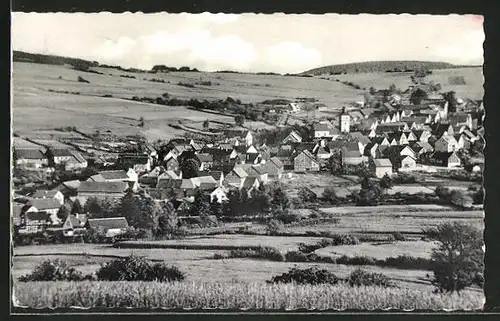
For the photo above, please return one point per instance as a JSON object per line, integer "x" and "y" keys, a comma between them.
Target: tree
{"x": 76, "y": 208}
{"x": 168, "y": 221}
{"x": 239, "y": 120}
{"x": 201, "y": 207}
{"x": 189, "y": 168}
{"x": 280, "y": 203}
{"x": 458, "y": 259}
{"x": 451, "y": 98}
{"x": 417, "y": 96}
{"x": 373, "y": 90}
{"x": 63, "y": 212}
{"x": 100, "y": 208}
{"x": 232, "y": 206}
{"x": 460, "y": 199}
{"x": 141, "y": 211}
{"x": 330, "y": 196}
{"x": 206, "y": 124}
{"x": 306, "y": 195}
{"x": 216, "y": 208}
{"x": 478, "y": 196}
{"x": 261, "y": 201}
{"x": 386, "y": 182}
{"x": 369, "y": 193}
{"x": 392, "y": 89}
{"x": 335, "y": 164}
{"x": 141, "y": 122}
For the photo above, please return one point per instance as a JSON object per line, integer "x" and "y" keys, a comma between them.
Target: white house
{"x": 53, "y": 194}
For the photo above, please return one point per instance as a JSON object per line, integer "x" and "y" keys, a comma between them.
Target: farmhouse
{"x": 32, "y": 222}
{"x": 219, "y": 195}
{"x": 74, "y": 225}
{"x": 305, "y": 161}
{"x": 446, "y": 159}
{"x": 236, "y": 177}
{"x": 381, "y": 167}
{"x": 30, "y": 157}
{"x": 53, "y": 194}
{"x": 171, "y": 164}
{"x": 49, "y": 205}
{"x": 292, "y": 137}
{"x": 140, "y": 163}
{"x": 446, "y": 143}
{"x": 102, "y": 189}
{"x": 206, "y": 161}
{"x": 112, "y": 226}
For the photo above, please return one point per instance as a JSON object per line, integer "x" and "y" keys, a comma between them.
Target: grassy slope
{"x": 34, "y": 107}
{"x": 378, "y": 66}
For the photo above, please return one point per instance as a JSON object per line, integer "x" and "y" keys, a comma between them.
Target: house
{"x": 49, "y": 205}
{"x": 440, "y": 129}
{"x": 206, "y": 161}
{"x": 33, "y": 222}
{"x": 139, "y": 162}
{"x": 361, "y": 139}
{"x": 176, "y": 151}
{"x": 398, "y": 137}
{"x": 381, "y": 140}
{"x": 71, "y": 159}
{"x": 248, "y": 138}
{"x": 462, "y": 141}
{"x": 321, "y": 130}
{"x": 68, "y": 188}
{"x": 345, "y": 121}
{"x": 446, "y": 159}
{"x": 371, "y": 150}
{"x": 219, "y": 195}
{"x": 115, "y": 176}
{"x": 407, "y": 162}
{"x": 253, "y": 158}
{"x": 250, "y": 184}
{"x": 30, "y": 157}
{"x": 218, "y": 176}
{"x": 171, "y": 164}
{"x": 398, "y": 151}
{"x": 204, "y": 182}
{"x": 259, "y": 171}
{"x": 151, "y": 178}
{"x": 102, "y": 189}
{"x": 274, "y": 168}
{"x": 460, "y": 119}
{"x": 381, "y": 167}
{"x": 305, "y": 161}
{"x": 447, "y": 143}
{"x": 236, "y": 177}
{"x": 74, "y": 225}
{"x": 422, "y": 135}
{"x": 421, "y": 148}
{"x": 53, "y": 194}
{"x": 111, "y": 226}
{"x": 292, "y": 137}
{"x": 285, "y": 156}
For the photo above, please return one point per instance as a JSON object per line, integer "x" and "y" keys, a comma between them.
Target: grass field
{"x": 473, "y": 88}
{"x": 381, "y": 251}
{"x": 199, "y": 295}
{"x": 34, "y": 107}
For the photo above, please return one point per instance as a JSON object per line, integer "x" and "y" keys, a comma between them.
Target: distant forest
{"x": 50, "y": 59}
{"x": 380, "y": 66}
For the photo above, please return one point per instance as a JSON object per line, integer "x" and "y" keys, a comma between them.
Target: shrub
{"x": 274, "y": 227}
{"x": 356, "y": 260}
{"x": 311, "y": 275}
{"x": 56, "y": 270}
{"x": 81, "y": 79}
{"x": 263, "y": 252}
{"x": 360, "y": 277}
{"x": 407, "y": 262}
{"x": 398, "y": 236}
{"x": 296, "y": 256}
{"x": 133, "y": 268}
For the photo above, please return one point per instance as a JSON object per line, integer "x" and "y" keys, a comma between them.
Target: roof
{"x": 37, "y": 216}
{"x": 45, "y": 203}
{"x": 205, "y": 158}
{"x": 322, "y": 127}
{"x": 17, "y": 209}
{"x": 249, "y": 182}
{"x": 108, "y": 223}
{"x": 75, "y": 222}
{"x": 252, "y": 157}
{"x": 28, "y": 153}
{"x": 443, "y": 156}
{"x": 276, "y": 162}
{"x": 308, "y": 154}
{"x": 61, "y": 152}
{"x": 102, "y": 187}
{"x": 207, "y": 186}
{"x": 73, "y": 184}
{"x": 382, "y": 162}
{"x": 113, "y": 175}
{"x": 45, "y": 193}
{"x": 259, "y": 169}
{"x": 240, "y": 172}
{"x": 166, "y": 182}
{"x": 187, "y": 184}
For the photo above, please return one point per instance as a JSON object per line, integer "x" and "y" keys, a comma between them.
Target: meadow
{"x": 472, "y": 89}
{"x": 36, "y": 108}
{"x": 216, "y": 295}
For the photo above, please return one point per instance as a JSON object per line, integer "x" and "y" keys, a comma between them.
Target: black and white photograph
{"x": 247, "y": 162}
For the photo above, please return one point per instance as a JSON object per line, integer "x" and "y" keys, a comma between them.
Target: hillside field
{"x": 37, "y": 108}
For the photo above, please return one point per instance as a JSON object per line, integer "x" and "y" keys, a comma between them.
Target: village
{"x": 386, "y": 137}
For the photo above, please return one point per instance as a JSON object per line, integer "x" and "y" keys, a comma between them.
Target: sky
{"x": 282, "y": 43}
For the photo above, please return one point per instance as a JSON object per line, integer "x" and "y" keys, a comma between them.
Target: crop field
{"x": 472, "y": 89}
{"x": 381, "y": 251}
{"x": 34, "y": 107}
{"x": 199, "y": 295}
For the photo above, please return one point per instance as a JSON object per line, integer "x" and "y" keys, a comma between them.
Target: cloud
{"x": 194, "y": 48}
{"x": 467, "y": 49}
{"x": 294, "y": 56}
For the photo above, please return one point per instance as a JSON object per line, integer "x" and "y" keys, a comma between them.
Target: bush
{"x": 81, "y": 79}
{"x": 356, "y": 260}
{"x": 296, "y": 256}
{"x": 135, "y": 268}
{"x": 360, "y": 277}
{"x": 56, "y": 270}
{"x": 274, "y": 227}
{"x": 263, "y": 252}
{"x": 407, "y": 262}
{"x": 399, "y": 237}
{"x": 311, "y": 275}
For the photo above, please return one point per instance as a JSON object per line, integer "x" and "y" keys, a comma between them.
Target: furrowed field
{"x": 215, "y": 295}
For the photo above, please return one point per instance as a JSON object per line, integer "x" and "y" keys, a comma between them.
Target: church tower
{"x": 345, "y": 121}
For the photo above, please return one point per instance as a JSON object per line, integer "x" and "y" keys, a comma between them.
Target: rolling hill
{"x": 379, "y": 66}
